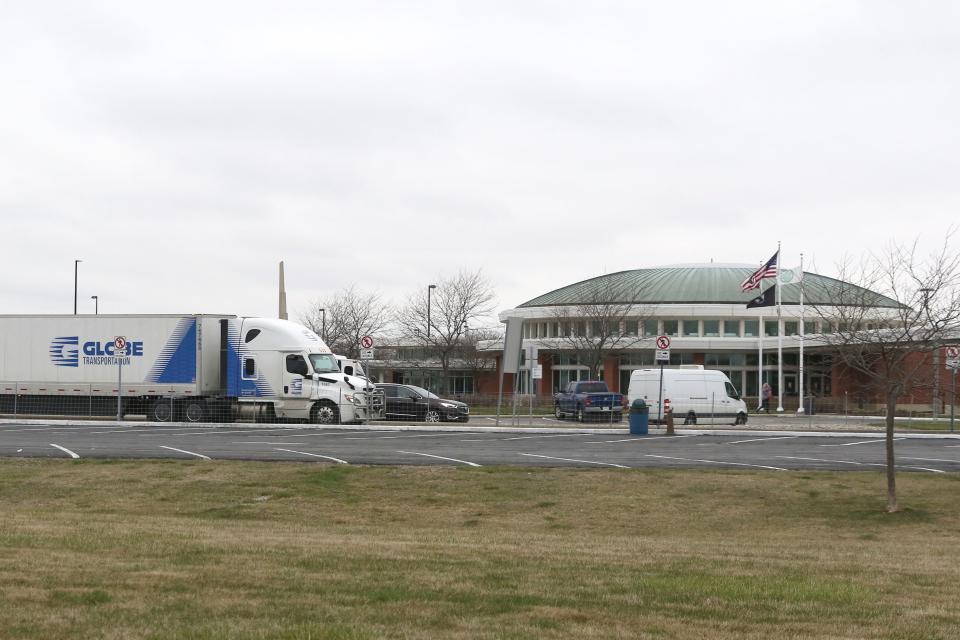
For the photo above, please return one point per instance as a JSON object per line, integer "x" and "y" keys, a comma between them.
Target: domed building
{"x": 702, "y": 310}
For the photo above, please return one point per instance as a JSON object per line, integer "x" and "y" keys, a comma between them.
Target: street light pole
{"x": 323, "y": 324}
{"x": 429, "y": 288}
{"x": 75, "y": 263}
{"x": 96, "y": 304}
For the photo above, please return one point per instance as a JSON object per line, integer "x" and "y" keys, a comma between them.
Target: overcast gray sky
{"x": 181, "y": 149}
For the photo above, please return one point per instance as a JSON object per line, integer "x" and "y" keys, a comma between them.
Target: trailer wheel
{"x": 161, "y": 411}
{"x": 691, "y": 418}
{"x": 194, "y": 411}
{"x": 325, "y": 413}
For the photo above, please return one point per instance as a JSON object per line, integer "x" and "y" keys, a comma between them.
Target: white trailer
{"x": 189, "y": 367}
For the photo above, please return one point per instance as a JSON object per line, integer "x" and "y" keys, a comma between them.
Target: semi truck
{"x": 193, "y": 368}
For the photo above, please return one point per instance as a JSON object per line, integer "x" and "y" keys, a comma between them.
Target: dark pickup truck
{"x": 588, "y": 398}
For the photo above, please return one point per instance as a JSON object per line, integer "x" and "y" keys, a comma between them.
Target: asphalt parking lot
{"x": 478, "y": 446}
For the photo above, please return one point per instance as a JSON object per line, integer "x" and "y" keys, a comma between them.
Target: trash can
{"x": 639, "y": 417}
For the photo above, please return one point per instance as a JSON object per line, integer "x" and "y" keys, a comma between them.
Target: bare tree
{"x": 594, "y": 328}
{"x": 887, "y": 315}
{"x": 453, "y": 306}
{"x": 347, "y": 316}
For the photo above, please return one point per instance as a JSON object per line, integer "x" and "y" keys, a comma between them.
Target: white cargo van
{"x": 696, "y": 395}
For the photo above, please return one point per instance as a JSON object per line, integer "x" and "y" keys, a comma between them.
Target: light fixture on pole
{"x": 429, "y": 289}
{"x": 75, "y": 263}
{"x": 96, "y": 304}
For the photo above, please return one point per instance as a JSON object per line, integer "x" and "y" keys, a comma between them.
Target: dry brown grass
{"x": 258, "y": 550}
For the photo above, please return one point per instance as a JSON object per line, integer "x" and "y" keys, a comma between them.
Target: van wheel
{"x": 161, "y": 411}
{"x": 741, "y": 419}
{"x": 325, "y": 413}
{"x": 194, "y": 411}
{"x": 557, "y": 413}
{"x": 691, "y": 418}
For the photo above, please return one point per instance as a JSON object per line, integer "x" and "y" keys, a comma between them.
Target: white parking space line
{"x": 636, "y": 439}
{"x": 736, "y": 464}
{"x": 65, "y": 450}
{"x": 605, "y": 464}
{"x": 554, "y": 435}
{"x": 850, "y": 444}
{"x": 761, "y": 439}
{"x": 189, "y": 453}
{"x": 315, "y": 455}
{"x": 478, "y": 440}
{"x": 928, "y": 459}
{"x": 862, "y": 464}
{"x": 429, "y": 455}
{"x": 261, "y": 442}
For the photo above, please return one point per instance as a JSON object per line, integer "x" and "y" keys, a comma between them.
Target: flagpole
{"x": 760, "y": 365}
{"x": 779, "y": 334}
{"x": 800, "y": 409}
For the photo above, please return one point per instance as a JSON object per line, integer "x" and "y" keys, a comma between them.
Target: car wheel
{"x": 161, "y": 411}
{"x": 432, "y": 416}
{"x": 580, "y": 416}
{"x": 325, "y": 413}
{"x": 194, "y": 411}
{"x": 557, "y": 413}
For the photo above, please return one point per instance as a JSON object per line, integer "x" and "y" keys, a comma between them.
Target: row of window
{"x": 730, "y": 328}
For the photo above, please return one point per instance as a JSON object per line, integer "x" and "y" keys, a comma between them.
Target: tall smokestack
{"x": 283, "y": 296}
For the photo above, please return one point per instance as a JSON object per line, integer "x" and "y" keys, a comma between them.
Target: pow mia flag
{"x": 766, "y": 299}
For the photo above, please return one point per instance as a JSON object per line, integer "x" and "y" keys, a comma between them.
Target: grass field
{"x": 170, "y": 549}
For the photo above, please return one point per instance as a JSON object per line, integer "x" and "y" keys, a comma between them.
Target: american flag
{"x": 768, "y": 270}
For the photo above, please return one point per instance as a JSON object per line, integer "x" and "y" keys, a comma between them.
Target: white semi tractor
{"x": 178, "y": 367}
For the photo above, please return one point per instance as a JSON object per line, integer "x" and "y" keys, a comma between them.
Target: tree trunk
{"x": 891, "y": 469}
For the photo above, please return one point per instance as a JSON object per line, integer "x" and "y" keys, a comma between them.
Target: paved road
{"x": 382, "y": 444}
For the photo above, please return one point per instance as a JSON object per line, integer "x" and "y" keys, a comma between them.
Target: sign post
{"x": 953, "y": 363}
{"x": 662, "y": 358}
{"x": 366, "y": 353}
{"x": 119, "y": 351}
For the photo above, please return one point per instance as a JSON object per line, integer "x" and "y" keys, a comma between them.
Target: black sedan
{"x": 408, "y": 402}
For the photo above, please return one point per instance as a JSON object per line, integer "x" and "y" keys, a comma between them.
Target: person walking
{"x": 765, "y": 393}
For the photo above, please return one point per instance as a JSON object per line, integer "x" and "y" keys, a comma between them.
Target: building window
{"x": 770, "y": 327}
{"x": 671, "y": 327}
{"x": 637, "y": 359}
{"x": 751, "y": 328}
{"x": 691, "y": 328}
{"x": 711, "y": 328}
{"x": 789, "y": 328}
{"x": 678, "y": 358}
{"x": 631, "y": 327}
{"x": 809, "y": 327}
{"x": 731, "y": 328}
{"x": 650, "y": 328}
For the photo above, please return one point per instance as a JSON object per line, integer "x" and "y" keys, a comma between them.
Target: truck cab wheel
{"x": 161, "y": 411}
{"x": 325, "y": 413}
{"x": 691, "y": 418}
{"x": 194, "y": 411}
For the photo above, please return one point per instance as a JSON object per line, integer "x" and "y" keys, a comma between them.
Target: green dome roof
{"x": 701, "y": 284}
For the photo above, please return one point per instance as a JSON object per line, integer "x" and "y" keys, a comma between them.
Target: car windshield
{"x": 593, "y": 387}
{"x": 423, "y": 392}
{"x": 324, "y": 363}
